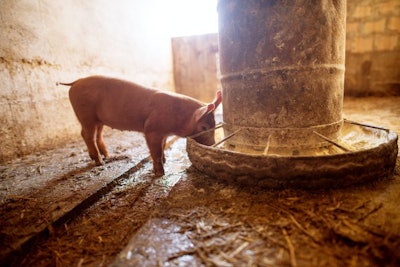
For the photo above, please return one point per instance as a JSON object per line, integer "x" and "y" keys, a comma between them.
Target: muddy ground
{"x": 58, "y": 209}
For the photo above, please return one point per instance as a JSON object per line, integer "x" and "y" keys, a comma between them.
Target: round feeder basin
{"x": 361, "y": 153}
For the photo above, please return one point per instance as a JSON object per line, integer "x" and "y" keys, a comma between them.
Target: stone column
{"x": 282, "y": 70}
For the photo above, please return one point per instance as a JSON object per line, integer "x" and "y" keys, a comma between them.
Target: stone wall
{"x": 373, "y": 47}
{"x": 45, "y": 41}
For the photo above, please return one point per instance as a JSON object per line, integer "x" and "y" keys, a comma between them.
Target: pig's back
{"x": 119, "y": 104}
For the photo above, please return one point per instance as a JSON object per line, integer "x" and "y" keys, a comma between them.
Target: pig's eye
{"x": 204, "y": 128}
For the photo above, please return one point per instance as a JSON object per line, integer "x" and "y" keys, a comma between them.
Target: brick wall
{"x": 373, "y": 47}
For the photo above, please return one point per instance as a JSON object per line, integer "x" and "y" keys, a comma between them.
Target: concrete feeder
{"x": 282, "y": 74}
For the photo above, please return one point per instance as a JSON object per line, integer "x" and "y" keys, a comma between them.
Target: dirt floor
{"x": 58, "y": 209}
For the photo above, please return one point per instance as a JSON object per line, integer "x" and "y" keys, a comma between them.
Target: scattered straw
{"x": 291, "y": 248}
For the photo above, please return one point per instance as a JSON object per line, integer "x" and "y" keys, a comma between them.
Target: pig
{"x": 124, "y": 105}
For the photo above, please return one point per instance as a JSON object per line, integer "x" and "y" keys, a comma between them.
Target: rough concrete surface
{"x": 46, "y": 41}
{"x": 188, "y": 219}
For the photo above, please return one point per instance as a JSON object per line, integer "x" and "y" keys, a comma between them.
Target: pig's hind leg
{"x": 155, "y": 142}
{"x": 88, "y": 133}
{"x": 100, "y": 142}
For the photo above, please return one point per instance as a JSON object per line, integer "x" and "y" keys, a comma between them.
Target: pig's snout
{"x": 209, "y": 142}
{"x": 207, "y": 139}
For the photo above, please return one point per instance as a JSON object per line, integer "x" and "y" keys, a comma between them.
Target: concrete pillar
{"x": 282, "y": 70}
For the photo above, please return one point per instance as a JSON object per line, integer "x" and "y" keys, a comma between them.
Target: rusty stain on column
{"x": 282, "y": 70}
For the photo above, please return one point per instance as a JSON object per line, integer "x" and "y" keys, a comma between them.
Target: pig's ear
{"x": 203, "y": 111}
{"x": 218, "y": 99}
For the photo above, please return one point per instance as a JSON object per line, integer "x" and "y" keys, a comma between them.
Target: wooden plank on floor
{"x": 40, "y": 190}
{"x": 100, "y": 232}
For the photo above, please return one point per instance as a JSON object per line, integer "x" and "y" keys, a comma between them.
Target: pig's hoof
{"x": 99, "y": 162}
{"x": 158, "y": 173}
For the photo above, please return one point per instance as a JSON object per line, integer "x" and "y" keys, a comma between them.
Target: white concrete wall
{"x": 45, "y": 41}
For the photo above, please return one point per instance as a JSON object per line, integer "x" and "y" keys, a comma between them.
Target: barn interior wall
{"x": 195, "y": 60}
{"x": 45, "y": 41}
{"x": 372, "y": 48}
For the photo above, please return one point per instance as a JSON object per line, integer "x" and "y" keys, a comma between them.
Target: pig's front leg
{"x": 155, "y": 142}
{"x": 100, "y": 142}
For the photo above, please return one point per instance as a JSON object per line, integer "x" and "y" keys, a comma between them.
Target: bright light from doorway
{"x": 188, "y": 17}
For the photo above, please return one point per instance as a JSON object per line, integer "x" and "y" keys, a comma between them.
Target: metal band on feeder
{"x": 282, "y": 74}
